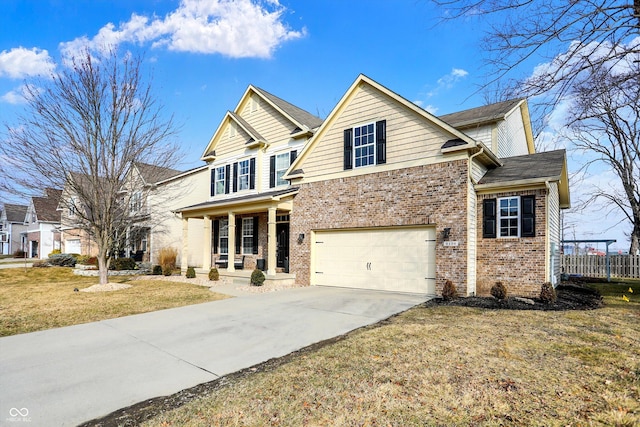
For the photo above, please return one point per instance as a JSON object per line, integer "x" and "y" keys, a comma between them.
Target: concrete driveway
{"x": 70, "y": 375}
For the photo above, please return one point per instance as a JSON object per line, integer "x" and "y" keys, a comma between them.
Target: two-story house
{"x": 384, "y": 195}
{"x": 42, "y": 234}
{"x": 11, "y": 225}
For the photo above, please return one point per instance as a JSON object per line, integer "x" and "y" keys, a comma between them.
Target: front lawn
{"x": 34, "y": 299}
{"x": 441, "y": 366}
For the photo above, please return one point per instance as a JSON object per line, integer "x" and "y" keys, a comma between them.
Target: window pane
{"x": 247, "y": 235}
{"x": 364, "y": 145}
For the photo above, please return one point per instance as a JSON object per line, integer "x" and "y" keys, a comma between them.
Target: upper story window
{"x": 512, "y": 216}
{"x": 365, "y": 145}
{"x": 244, "y": 175}
{"x": 278, "y": 165}
{"x": 135, "y": 203}
{"x": 73, "y": 209}
{"x": 220, "y": 180}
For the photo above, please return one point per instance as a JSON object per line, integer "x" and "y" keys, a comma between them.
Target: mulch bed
{"x": 571, "y": 296}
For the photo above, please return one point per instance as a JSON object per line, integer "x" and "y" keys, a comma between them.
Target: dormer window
{"x": 278, "y": 165}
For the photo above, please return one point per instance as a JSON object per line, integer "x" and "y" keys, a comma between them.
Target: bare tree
{"x": 604, "y": 122}
{"x": 81, "y": 131}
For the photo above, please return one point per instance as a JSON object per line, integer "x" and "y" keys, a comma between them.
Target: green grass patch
{"x": 35, "y": 299}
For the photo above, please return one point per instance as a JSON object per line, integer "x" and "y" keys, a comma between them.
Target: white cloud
{"x": 444, "y": 83}
{"x": 238, "y": 29}
{"x": 21, "y": 62}
{"x": 16, "y": 96}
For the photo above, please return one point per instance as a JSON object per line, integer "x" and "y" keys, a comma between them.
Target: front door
{"x": 282, "y": 249}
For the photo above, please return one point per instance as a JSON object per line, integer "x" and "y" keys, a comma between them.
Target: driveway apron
{"x": 66, "y": 376}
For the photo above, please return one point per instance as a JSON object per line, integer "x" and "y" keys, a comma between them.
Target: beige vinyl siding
{"x": 477, "y": 170}
{"x": 409, "y": 136}
{"x": 472, "y": 238}
{"x": 266, "y": 120}
{"x": 553, "y": 220}
{"x": 481, "y": 133}
{"x": 512, "y": 140}
{"x": 230, "y": 143}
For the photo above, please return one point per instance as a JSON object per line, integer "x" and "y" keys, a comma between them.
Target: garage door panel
{"x": 391, "y": 259}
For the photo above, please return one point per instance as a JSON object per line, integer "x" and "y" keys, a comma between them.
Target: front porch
{"x": 243, "y": 277}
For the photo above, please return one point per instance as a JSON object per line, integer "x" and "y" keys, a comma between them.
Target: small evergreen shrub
{"x": 191, "y": 273}
{"x": 157, "y": 270}
{"x": 167, "y": 271}
{"x": 257, "y": 278}
{"x": 123, "y": 264}
{"x": 548, "y": 293}
{"x": 86, "y": 260}
{"x": 499, "y": 291}
{"x": 62, "y": 260}
{"x": 214, "y": 275}
{"x": 449, "y": 291}
{"x": 19, "y": 254}
{"x": 54, "y": 252}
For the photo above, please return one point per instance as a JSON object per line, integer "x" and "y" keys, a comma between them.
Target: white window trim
{"x": 499, "y": 217}
{"x": 249, "y": 221}
{"x": 247, "y": 174}
{"x": 283, "y": 170}
{"x": 223, "y": 181}
{"x": 223, "y": 234}
{"x": 354, "y": 148}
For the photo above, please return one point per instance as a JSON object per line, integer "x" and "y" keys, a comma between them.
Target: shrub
{"x": 54, "y": 252}
{"x": 257, "y": 277}
{"x": 167, "y": 259}
{"x": 41, "y": 264}
{"x": 86, "y": 260}
{"x": 191, "y": 273}
{"x": 548, "y": 293}
{"x": 214, "y": 275}
{"x": 167, "y": 271}
{"x": 499, "y": 291}
{"x": 157, "y": 270}
{"x": 123, "y": 264}
{"x": 62, "y": 260}
{"x": 19, "y": 254}
{"x": 449, "y": 291}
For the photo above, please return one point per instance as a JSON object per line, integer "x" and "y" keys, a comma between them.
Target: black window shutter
{"x": 216, "y": 235}
{"x": 528, "y": 216}
{"x": 227, "y": 178}
{"x": 292, "y": 157}
{"x": 235, "y": 177}
{"x": 348, "y": 149}
{"x": 252, "y": 173}
{"x": 381, "y": 142}
{"x": 489, "y": 218}
{"x": 255, "y": 234}
{"x": 238, "y": 235}
{"x": 272, "y": 171}
{"x": 213, "y": 182}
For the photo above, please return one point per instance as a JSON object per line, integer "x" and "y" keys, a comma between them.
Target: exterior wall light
{"x": 445, "y": 233}
{"x": 300, "y": 237}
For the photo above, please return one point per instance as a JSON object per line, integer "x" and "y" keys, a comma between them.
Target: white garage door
{"x": 390, "y": 259}
{"x": 72, "y": 246}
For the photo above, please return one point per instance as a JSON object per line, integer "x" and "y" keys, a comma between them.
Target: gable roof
{"x": 46, "y": 208}
{"x": 463, "y": 141}
{"x": 549, "y": 166}
{"x": 152, "y": 173}
{"x": 480, "y": 115}
{"x": 15, "y": 213}
{"x": 297, "y": 114}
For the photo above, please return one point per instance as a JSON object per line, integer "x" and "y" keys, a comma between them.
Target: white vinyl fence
{"x": 627, "y": 266}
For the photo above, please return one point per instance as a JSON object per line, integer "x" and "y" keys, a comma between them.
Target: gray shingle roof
{"x": 298, "y": 114}
{"x": 252, "y": 132}
{"x": 47, "y": 207}
{"x": 15, "y": 213}
{"x": 249, "y": 197}
{"x": 152, "y": 173}
{"x": 538, "y": 166}
{"x": 486, "y": 113}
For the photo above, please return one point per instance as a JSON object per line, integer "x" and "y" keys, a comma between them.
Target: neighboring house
{"x": 73, "y": 238}
{"x": 11, "y": 225}
{"x": 245, "y": 215}
{"x": 384, "y": 195}
{"x": 42, "y": 234}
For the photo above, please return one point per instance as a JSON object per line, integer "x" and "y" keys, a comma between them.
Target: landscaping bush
{"x": 62, "y": 260}
{"x": 499, "y": 291}
{"x": 123, "y": 264}
{"x": 157, "y": 270}
{"x": 41, "y": 264}
{"x": 191, "y": 273}
{"x": 257, "y": 277}
{"x": 449, "y": 291}
{"x": 214, "y": 275}
{"x": 548, "y": 293}
{"x": 87, "y": 260}
{"x": 54, "y": 252}
{"x": 167, "y": 259}
{"x": 19, "y": 253}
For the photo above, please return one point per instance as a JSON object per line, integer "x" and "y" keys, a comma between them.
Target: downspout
{"x": 473, "y": 238}
{"x": 471, "y": 162}
{"x": 547, "y": 262}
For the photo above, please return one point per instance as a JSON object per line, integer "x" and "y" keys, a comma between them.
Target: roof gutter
{"x": 473, "y": 181}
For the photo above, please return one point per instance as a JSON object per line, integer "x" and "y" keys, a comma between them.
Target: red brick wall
{"x": 432, "y": 194}
{"x": 519, "y": 263}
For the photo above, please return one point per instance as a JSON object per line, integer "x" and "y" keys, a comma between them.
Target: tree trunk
{"x": 634, "y": 249}
{"x": 103, "y": 269}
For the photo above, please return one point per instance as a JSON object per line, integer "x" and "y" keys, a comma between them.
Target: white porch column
{"x": 272, "y": 239}
{"x": 206, "y": 247}
{"x": 184, "y": 258}
{"x": 232, "y": 242}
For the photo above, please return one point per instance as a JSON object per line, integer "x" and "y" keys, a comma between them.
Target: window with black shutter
{"x": 489, "y": 218}
{"x": 216, "y": 235}
{"x": 528, "y": 219}
{"x": 365, "y": 145}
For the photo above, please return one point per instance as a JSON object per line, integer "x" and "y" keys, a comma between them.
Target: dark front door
{"x": 282, "y": 250}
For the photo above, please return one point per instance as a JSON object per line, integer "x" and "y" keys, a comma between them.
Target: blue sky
{"x": 203, "y": 54}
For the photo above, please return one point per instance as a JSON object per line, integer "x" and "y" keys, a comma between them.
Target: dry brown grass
{"x": 447, "y": 366}
{"x": 35, "y": 299}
